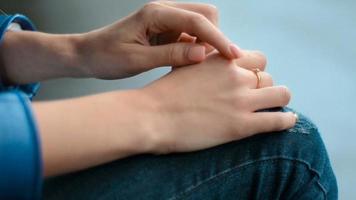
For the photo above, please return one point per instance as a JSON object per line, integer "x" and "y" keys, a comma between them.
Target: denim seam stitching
{"x": 246, "y": 164}
{"x": 322, "y": 187}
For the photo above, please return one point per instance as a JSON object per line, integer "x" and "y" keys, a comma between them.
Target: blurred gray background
{"x": 311, "y": 46}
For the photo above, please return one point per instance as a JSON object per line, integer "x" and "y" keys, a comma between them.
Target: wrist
{"x": 84, "y": 54}
{"x": 63, "y": 54}
{"x": 28, "y": 57}
{"x": 95, "y": 130}
{"x": 139, "y": 118}
{"x": 78, "y": 59}
{"x": 160, "y": 123}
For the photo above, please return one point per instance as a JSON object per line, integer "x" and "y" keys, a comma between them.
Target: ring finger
{"x": 254, "y": 82}
{"x": 265, "y": 81}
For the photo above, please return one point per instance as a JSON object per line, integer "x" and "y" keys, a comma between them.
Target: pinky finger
{"x": 263, "y": 122}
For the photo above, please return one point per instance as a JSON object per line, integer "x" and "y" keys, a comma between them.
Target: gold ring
{"x": 258, "y": 75}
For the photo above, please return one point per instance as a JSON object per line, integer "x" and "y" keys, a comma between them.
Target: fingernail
{"x": 197, "y": 54}
{"x": 235, "y": 50}
{"x": 296, "y": 117}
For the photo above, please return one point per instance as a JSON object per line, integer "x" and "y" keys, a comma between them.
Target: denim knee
{"x": 304, "y": 144}
{"x": 291, "y": 164}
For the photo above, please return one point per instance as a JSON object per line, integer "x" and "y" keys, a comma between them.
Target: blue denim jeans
{"x": 292, "y": 164}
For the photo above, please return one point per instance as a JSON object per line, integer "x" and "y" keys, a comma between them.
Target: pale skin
{"x": 211, "y": 100}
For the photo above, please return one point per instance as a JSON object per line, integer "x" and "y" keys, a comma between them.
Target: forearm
{"x": 28, "y": 57}
{"x": 80, "y": 133}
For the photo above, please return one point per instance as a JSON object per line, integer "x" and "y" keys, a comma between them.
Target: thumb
{"x": 175, "y": 54}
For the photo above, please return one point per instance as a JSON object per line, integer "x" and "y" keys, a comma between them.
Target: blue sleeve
{"x": 20, "y": 156}
{"x": 5, "y": 21}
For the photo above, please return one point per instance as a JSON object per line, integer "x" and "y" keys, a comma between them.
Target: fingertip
{"x": 235, "y": 51}
{"x": 293, "y": 119}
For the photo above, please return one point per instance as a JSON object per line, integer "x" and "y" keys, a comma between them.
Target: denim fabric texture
{"x": 292, "y": 164}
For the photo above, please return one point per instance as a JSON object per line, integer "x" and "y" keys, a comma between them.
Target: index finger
{"x": 208, "y": 10}
{"x": 167, "y": 18}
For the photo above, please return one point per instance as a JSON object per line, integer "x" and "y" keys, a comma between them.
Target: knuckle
{"x": 247, "y": 128}
{"x": 241, "y": 76}
{"x": 173, "y": 55}
{"x": 151, "y": 5}
{"x": 235, "y": 77}
{"x": 149, "y": 9}
{"x": 211, "y": 11}
{"x": 250, "y": 77}
{"x": 240, "y": 102}
{"x": 197, "y": 19}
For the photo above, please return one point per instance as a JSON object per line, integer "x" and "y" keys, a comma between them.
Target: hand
{"x": 191, "y": 108}
{"x": 149, "y": 38}
{"x": 212, "y": 103}
{"x": 162, "y": 33}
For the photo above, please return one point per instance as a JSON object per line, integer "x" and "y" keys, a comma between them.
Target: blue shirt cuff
{"x": 20, "y": 157}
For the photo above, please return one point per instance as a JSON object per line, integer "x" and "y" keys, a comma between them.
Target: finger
{"x": 174, "y": 54}
{"x": 263, "y": 122}
{"x": 166, "y": 38}
{"x": 251, "y": 60}
{"x": 208, "y": 10}
{"x": 269, "y": 97}
{"x": 266, "y": 80}
{"x": 251, "y": 78}
{"x": 187, "y": 38}
{"x": 208, "y": 47}
{"x": 192, "y": 23}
